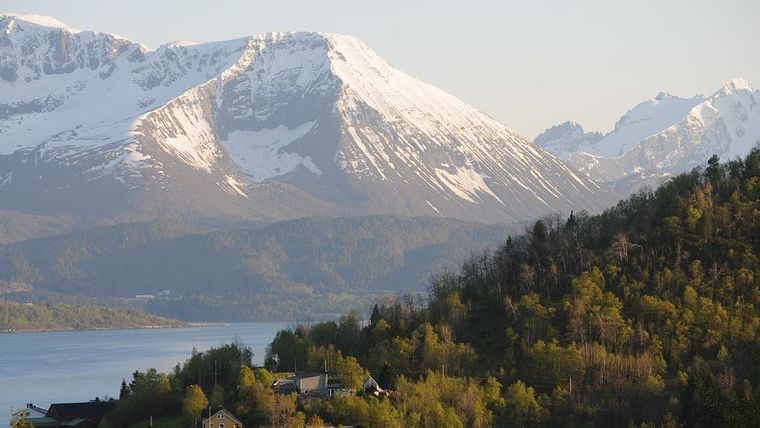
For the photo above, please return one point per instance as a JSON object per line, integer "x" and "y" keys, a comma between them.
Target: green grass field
{"x": 164, "y": 422}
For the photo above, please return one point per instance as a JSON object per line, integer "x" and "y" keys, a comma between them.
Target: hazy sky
{"x": 528, "y": 64}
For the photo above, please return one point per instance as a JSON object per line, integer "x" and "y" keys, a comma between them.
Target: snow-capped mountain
{"x": 668, "y": 135}
{"x": 272, "y": 126}
{"x": 567, "y": 138}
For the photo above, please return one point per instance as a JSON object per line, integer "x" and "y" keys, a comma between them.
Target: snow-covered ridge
{"x": 668, "y": 135}
{"x": 40, "y": 20}
{"x": 737, "y": 84}
{"x": 318, "y": 115}
{"x": 645, "y": 119}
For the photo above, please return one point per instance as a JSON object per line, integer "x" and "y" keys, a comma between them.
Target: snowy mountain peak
{"x": 735, "y": 85}
{"x": 273, "y": 125}
{"x": 663, "y": 95}
{"x": 566, "y": 138}
{"x": 669, "y": 135}
{"x": 10, "y": 20}
{"x": 663, "y": 105}
{"x": 643, "y": 120}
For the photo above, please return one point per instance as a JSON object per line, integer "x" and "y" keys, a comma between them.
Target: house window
{"x": 221, "y": 425}
{"x": 220, "y": 416}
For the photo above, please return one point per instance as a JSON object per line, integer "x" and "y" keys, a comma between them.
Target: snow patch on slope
{"x": 124, "y": 165}
{"x": 234, "y": 185}
{"x": 182, "y": 128}
{"x": 261, "y": 154}
{"x": 466, "y": 183}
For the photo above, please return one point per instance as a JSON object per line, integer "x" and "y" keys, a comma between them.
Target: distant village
{"x": 308, "y": 386}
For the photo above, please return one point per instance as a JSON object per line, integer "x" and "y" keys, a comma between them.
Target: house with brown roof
{"x": 91, "y": 411}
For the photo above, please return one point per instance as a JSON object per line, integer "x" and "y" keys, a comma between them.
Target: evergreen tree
{"x": 124, "y": 390}
{"x": 704, "y": 404}
{"x": 386, "y": 378}
{"x": 376, "y": 315}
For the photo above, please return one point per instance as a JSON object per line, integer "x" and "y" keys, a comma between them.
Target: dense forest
{"x": 35, "y": 317}
{"x": 282, "y": 271}
{"x": 646, "y": 315}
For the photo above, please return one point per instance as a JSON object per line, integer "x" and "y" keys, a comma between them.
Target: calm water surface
{"x": 45, "y": 368}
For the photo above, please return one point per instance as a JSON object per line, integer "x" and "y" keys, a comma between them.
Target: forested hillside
{"x": 281, "y": 271}
{"x": 647, "y": 315}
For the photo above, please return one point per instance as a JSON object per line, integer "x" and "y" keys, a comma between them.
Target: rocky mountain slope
{"x": 664, "y": 136}
{"x": 566, "y": 138}
{"x": 267, "y": 127}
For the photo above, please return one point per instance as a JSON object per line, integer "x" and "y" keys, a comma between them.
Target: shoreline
{"x": 143, "y": 327}
{"x": 182, "y": 324}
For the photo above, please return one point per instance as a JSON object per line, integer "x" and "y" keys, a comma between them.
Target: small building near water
{"x": 72, "y": 415}
{"x": 313, "y": 384}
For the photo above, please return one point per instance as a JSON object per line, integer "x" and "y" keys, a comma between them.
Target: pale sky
{"x": 529, "y": 64}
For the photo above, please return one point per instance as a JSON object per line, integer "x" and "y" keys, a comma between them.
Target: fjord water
{"x": 45, "y": 368}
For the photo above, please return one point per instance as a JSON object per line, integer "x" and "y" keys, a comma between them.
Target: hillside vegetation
{"x": 648, "y": 314}
{"x": 28, "y": 317}
{"x": 18, "y": 226}
{"x": 281, "y": 271}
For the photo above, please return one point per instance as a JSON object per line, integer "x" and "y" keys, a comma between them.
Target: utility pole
{"x": 327, "y": 382}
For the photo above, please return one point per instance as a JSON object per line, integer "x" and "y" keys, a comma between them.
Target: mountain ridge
{"x": 675, "y": 134}
{"x": 270, "y": 127}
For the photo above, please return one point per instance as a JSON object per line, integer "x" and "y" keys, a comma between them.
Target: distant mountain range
{"x": 268, "y": 127}
{"x": 661, "y": 137}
